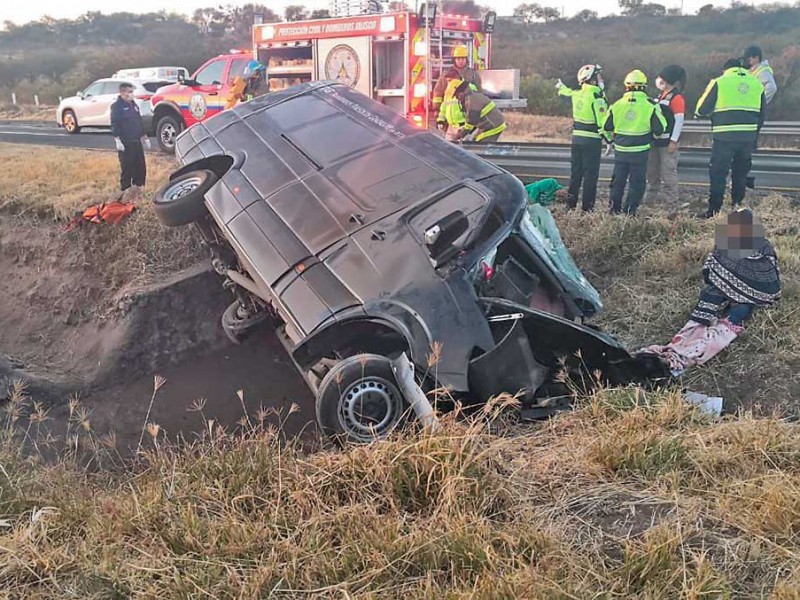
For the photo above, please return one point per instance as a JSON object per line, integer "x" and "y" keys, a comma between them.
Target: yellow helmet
{"x": 635, "y": 78}
{"x": 461, "y": 52}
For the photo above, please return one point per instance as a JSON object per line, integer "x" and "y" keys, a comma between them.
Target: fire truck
{"x": 395, "y": 58}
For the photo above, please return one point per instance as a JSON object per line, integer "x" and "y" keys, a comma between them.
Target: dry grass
{"x": 633, "y": 495}
{"x": 648, "y": 272}
{"x": 9, "y": 112}
{"x": 536, "y": 128}
{"x": 45, "y": 187}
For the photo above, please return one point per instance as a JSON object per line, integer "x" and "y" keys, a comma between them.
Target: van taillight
{"x": 487, "y": 271}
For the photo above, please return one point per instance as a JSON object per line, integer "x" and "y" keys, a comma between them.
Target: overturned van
{"x": 364, "y": 238}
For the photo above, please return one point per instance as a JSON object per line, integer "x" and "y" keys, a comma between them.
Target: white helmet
{"x": 586, "y": 72}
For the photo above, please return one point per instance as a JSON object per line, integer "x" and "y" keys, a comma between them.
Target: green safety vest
{"x": 632, "y": 115}
{"x": 451, "y": 113}
{"x": 738, "y": 104}
{"x": 761, "y": 68}
{"x": 588, "y": 110}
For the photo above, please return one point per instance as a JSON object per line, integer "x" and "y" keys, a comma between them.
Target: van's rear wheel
{"x": 359, "y": 399}
{"x": 182, "y": 200}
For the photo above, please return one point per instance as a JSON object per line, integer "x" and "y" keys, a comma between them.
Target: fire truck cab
{"x": 395, "y": 58}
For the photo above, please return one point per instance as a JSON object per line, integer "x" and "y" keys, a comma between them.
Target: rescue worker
{"x": 129, "y": 138}
{"x": 662, "y": 168}
{"x": 633, "y": 121}
{"x": 589, "y": 110}
{"x": 753, "y": 60}
{"x": 250, "y": 84}
{"x": 451, "y": 118}
{"x": 484, "y": 121}
{"x": 459, "y": 70}
{"x": 736, "y": 104}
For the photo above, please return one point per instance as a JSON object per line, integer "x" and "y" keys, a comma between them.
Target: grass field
{"x": 632, "y": 495}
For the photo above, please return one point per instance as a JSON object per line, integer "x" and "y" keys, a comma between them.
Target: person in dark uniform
{"x": 129, "y": 138}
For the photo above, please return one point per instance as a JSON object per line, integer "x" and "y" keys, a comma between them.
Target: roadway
{"x": 773, "y": 169}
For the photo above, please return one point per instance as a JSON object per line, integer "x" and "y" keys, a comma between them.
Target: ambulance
{"x": 395, "y": 58}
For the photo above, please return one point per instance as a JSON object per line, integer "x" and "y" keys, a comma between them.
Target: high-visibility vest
{"x": 738, "y": 106}
{"x": 588, "y": 110}
{"x": 632, "y": 117}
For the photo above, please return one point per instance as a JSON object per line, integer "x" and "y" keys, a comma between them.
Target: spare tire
{"x": 182, "y": 200}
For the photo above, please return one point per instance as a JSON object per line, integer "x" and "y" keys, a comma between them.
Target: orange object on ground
{"x": 107, "y": 212}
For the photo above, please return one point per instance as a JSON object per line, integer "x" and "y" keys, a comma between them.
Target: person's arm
{"x": 472, "y": 112}
{"x": 678, "y": 108}
{"x": 763, "y": 112}
{"x": 707, "y": 102}
{"x": 478, "y": 80}
{"x": 566, "y": 91}
{"x": 438, "y": 92}
{"x": 768, "y": 81}
{"x": 608, "y": 126}
{"x": 116, "y": 116}
{"x": 600, "y": 108}
{"x": 657, "y": 121}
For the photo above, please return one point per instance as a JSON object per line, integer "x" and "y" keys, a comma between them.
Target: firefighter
{"x": 633, "y": 121}
{"x": 483, "y": 120}
{"x": 459, "y": 70}
{"x": 589, "y": 109}
{"x": 736, "y": 104}
{"x": 250, "y": 84}
{"x": 451, "y": 118}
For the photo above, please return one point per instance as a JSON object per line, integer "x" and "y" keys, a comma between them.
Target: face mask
{"x": 660, "y": 83}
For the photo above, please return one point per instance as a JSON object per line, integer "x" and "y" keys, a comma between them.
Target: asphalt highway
{"x": 773, "y": 169}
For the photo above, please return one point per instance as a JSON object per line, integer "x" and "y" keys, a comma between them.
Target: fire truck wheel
{"x": 167, "y": 129}
{"x": 182, "y": 200}
{"x": 70, "y": 122}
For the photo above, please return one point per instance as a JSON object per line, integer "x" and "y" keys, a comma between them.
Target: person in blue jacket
{"x": 129, "y": 138}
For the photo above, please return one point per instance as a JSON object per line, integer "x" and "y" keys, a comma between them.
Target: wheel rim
{"x": 182, "y": 188}
{"x": 69, "y": 122}
{"x": 369, "y": 408}
{"x": 168, "y": 134}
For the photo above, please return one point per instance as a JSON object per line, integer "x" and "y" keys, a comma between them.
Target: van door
{"x": 205, "y": 97}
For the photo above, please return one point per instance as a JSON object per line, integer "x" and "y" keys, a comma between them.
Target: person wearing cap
{"x": 251, "y": 83}
{"x": 662, "y": 165}
{"x": 735, "y": 102}
{"x": 484, "y": 121}
{"x": 589, "y": 109}
{"x": 632, "y": 122}
{"x": 753, "y": 60}
{"x": 459, "y": 70}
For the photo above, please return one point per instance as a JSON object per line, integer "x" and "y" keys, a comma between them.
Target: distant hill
{"x": 57, "y": 57}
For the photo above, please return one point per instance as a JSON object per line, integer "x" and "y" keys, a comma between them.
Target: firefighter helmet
{"x": 253, "y": 67}
{"x": 587, "y": 72}
{"x": 461, "y": 52}
{"x": 635, "y": 79}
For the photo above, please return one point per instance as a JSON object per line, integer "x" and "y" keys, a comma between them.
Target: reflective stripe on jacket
{"x": 482, "y": 115}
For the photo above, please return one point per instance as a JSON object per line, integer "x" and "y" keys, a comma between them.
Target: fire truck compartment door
{"x": 346, "y": 60}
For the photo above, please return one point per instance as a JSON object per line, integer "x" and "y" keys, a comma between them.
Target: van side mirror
{"x": 181, "y": 78}
{"x": 80, "y": 95}
{"x": 440, "y": 236}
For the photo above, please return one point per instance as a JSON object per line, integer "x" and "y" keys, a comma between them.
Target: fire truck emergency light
{"x": 488, "y": 22}
{"x": 427, "y": 15}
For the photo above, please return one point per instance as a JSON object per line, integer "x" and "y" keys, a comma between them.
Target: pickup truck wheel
{"x": 182, "y": 200}
{"x": 359, "y": 399}
{"x": 238, "y": 323}
{"x": 167, "y": 129}
{"x": 70, "y": 122}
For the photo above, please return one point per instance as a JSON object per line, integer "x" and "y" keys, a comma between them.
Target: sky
{"x": 22, "y": 12}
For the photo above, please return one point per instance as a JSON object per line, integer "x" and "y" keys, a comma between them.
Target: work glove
{"x": 609, "y": 146}
{"x": 470, "y": 137}
{"x": 559, "y": 84}
{"x": 120, "y": 146}
{"x": 146, "y": 143}
{"x": 441, "y": 125}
